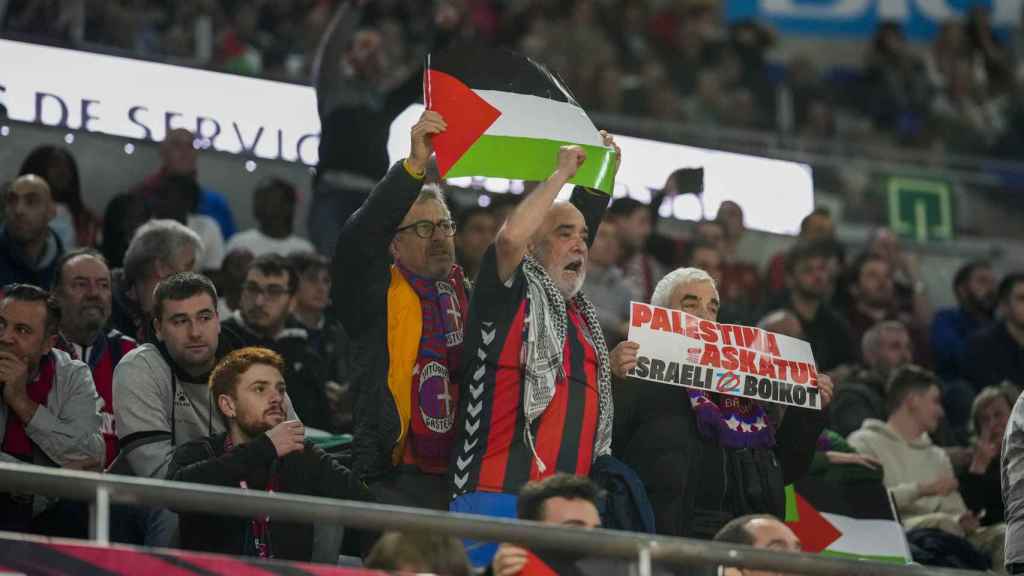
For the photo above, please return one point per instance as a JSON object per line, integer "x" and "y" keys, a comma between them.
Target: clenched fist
{"x": 287, "y": 437}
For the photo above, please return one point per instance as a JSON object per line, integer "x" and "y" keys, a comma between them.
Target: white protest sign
{"x": 682, "y": 350}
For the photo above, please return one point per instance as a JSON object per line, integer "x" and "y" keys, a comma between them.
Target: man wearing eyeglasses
{"x": 267, "y": 296}
{"x": 403, "y": 301}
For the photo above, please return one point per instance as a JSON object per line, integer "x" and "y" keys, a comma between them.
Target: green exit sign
{"x": 921, "y": 208}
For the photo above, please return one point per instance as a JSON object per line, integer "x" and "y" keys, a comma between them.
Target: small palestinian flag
{"x": 854, "y": 520}
{"x": 507, "y": 117}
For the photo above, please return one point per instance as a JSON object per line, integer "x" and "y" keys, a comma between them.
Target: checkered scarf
{"x": 545, "y": 341}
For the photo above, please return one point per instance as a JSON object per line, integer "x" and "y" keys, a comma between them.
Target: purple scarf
{"x": 731, "y": 421}
{"x": 434, "y": 387}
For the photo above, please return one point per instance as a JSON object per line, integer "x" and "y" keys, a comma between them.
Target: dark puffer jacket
{"x": 695, "y": 486}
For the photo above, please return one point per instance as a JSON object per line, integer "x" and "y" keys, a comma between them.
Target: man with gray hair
{"x": 403, "y": 301}
{"x": 885, "y": 347}
{"x": 706, "y": 458}
{"x": 158, "y": 250}
{"x": 536, "y": 399}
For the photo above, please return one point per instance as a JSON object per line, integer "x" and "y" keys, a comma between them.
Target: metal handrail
{"x": 104, "y": 489}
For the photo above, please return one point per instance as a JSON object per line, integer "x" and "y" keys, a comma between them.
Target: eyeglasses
{"x": 272, "y": 292}
{"x": 425, "y": 228}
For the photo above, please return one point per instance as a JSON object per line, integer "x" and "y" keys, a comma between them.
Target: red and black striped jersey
{"x": 491, "y": 454}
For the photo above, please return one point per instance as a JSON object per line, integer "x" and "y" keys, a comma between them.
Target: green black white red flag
{"x": 507, "y": 117}
{"x": 846, "y": 520}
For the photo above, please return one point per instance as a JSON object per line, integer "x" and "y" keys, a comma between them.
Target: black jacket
{"x": 304, "y": 372}
{"x": 858, "y": 397}
{"x": 361, "y": 276}
{"x": 311, "y": 472}
{"x": 694, "y": 485}
{"x": 993, "y": 356}
{"x": 15, "y": 269}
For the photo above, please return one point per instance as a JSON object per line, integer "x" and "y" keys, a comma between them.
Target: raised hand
{"x": 509, "y": 560}
{"x": 422, "y": 133}
{"x": 287, "y": 437}
{"x": 570, "y": 158}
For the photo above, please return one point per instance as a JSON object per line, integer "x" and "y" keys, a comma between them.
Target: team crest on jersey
{"x": 437, "y": 405}
{"x": 181, "y": 400}
{"x": 451, "y": 313}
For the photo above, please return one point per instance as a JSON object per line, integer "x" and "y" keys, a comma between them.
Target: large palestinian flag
{"x": 507, "y": 117}
{"x": 847, "y": 520}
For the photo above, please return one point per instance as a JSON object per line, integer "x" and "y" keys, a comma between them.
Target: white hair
{"x": 433, "y": 192}
{"x": 663, "y": 291}
{"x": 157, "y": 240}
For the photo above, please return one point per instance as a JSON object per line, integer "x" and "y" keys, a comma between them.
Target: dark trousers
{"x": 328, "y": 210}
{"x": 62, "y": 518}
{"x": 407, "y": 486}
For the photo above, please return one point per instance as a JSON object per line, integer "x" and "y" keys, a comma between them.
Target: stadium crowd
{"x": 479, "y": 358}
{"x": 667, "y": 59}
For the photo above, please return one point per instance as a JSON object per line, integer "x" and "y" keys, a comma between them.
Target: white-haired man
{"x": 706, "y": 458}
{"x": 536, "y": 397}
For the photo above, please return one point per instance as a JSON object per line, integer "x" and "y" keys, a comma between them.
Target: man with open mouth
{"x": 536, "y": 392}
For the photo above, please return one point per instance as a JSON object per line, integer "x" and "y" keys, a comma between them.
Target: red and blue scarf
{"x": 435, "y": 390}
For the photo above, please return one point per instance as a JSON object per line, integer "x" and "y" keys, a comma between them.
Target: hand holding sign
{"x": 825, "y": 388}
{"x": 623, "y": 358}
{"x": 685, "y": 350}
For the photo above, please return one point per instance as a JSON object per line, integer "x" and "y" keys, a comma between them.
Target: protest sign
{"x": 683, "y": 350}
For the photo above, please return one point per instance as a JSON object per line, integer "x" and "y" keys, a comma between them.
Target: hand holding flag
{"x": 509, "y": 115}
{"x": 422, "y": 135}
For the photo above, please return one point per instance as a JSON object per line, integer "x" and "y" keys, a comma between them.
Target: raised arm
{"x": 327, "y": 77}
{"x": 513, "y": 239}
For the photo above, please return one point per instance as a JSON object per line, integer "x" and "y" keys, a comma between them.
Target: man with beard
{"x": 635, "y": 223}
{"x": 162, "y": 398}
{"x": 872, "y": 299}
{"x": 996, "y": 354}
{"x": 268, "y": 294}
{"x": 402, "y": 300}
{"x": 536, "y": 398}
{"x": 29, "y": 249}
{"x": 885, "y": 348}
{"x": 808, "y": 290}
{"x": 975, "y": 288}
{"x": 82, "y": 290}
{"x": 49, "y": 411}
{"x": 261, "y": 449}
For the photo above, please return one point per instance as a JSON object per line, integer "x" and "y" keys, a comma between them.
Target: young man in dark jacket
{"x": 403, "y": 301}
{"x": 260, "y": 451}
{"x": 267, "y": 296}
{"x": 699, "y": 471}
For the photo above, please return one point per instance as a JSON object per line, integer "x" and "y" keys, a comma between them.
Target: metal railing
{"x": 102, "y": 490}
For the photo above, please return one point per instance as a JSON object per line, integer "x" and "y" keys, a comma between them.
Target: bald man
{"x": 536, "y": 395}
{"x": 179, "y": 157}
{"x": 29, "y": 249}
{"x": 759, "y": 531}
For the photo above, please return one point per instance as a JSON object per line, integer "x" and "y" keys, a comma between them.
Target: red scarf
{"x": 435, "y": 391}
{"x": 16, "y": 441}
